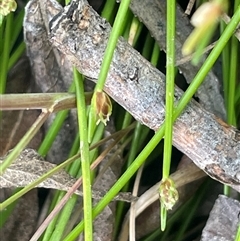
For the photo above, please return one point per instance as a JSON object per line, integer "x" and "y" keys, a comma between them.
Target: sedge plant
{"x": 89, "y": 134}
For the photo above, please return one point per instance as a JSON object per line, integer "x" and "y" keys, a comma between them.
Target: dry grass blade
{"x": 29, "y": 166}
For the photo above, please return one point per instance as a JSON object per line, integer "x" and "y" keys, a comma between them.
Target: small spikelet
{"x": 7, "y": 6}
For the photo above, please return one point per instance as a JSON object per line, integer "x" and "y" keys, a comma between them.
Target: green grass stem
{"x": 237, "y": 238}
{"x": 5, "y": 52}
{"x": 233, "y": 78}
{"x": 52, "y": 225}
{"x": 55, "y": 229}
{"x": 85, "y": 160}
{"x": 16, "y": 54}
{"x": 170, "y": 83}
{"x": 108, "y": 11}
{"x": 7, "y": 211}
{"x": 225, "y": 65}
{"x": 16, "y": 30}
{"x": 117, "y": 29}
{"x": 63, "y": 219}
{"x": 155, "y": 54}
{"x": 170, "y": 76}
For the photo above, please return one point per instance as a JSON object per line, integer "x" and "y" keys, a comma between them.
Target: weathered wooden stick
{"x": 80, "y": 34}
{"x": 57, "y": 101}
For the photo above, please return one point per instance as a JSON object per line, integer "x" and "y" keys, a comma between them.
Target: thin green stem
{"x": 234, "y": 64}
{"x": 57, "y": 226}
{"x": 6, "y": 212}
{"x": 52, "y": 132}
{"x": 170, "y": 76}
{"x": 113, "y": 38}
{"x": 51, "y": 226}
{"x": 230, "y": 85}
{"x": 134, "y": 31}
{"x": 155, "y": 54}
{"x": 85, "y": 160}
{"x": 237, "y": 238}
{"x": 16, "y": 55}
{"x": 225, "y": 65}
{"x": 2, "y": 26}
{"x": 17, "y": 23}
{"x": 231, "y": 118}
{"x": 6, "y": 53}
{"x": 63, "y": 219}
{"x": 118, "y": 26}
{"x": 108, "y": 10}
{"x": 148, "y": 47}
{"x": 127, "y": 24}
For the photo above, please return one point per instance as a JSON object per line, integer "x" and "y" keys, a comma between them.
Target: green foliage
{"x": 124, "y": 23}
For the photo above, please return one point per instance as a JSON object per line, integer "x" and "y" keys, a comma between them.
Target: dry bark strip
{"x": 81, "y": 34}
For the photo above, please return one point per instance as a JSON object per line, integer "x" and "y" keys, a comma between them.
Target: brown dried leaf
{"x": 30, "y": 166}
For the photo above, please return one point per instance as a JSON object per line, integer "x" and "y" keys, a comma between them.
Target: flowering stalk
{"x": 168, "y": 196}
{"x": 103, "y": 106}
{"x": 205, "y": 21}
{"x": 168, "y": 193}
{"x": 7, "y": 6}
{"x": 100, "y": 111}
{"x": 118, "y": 26}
